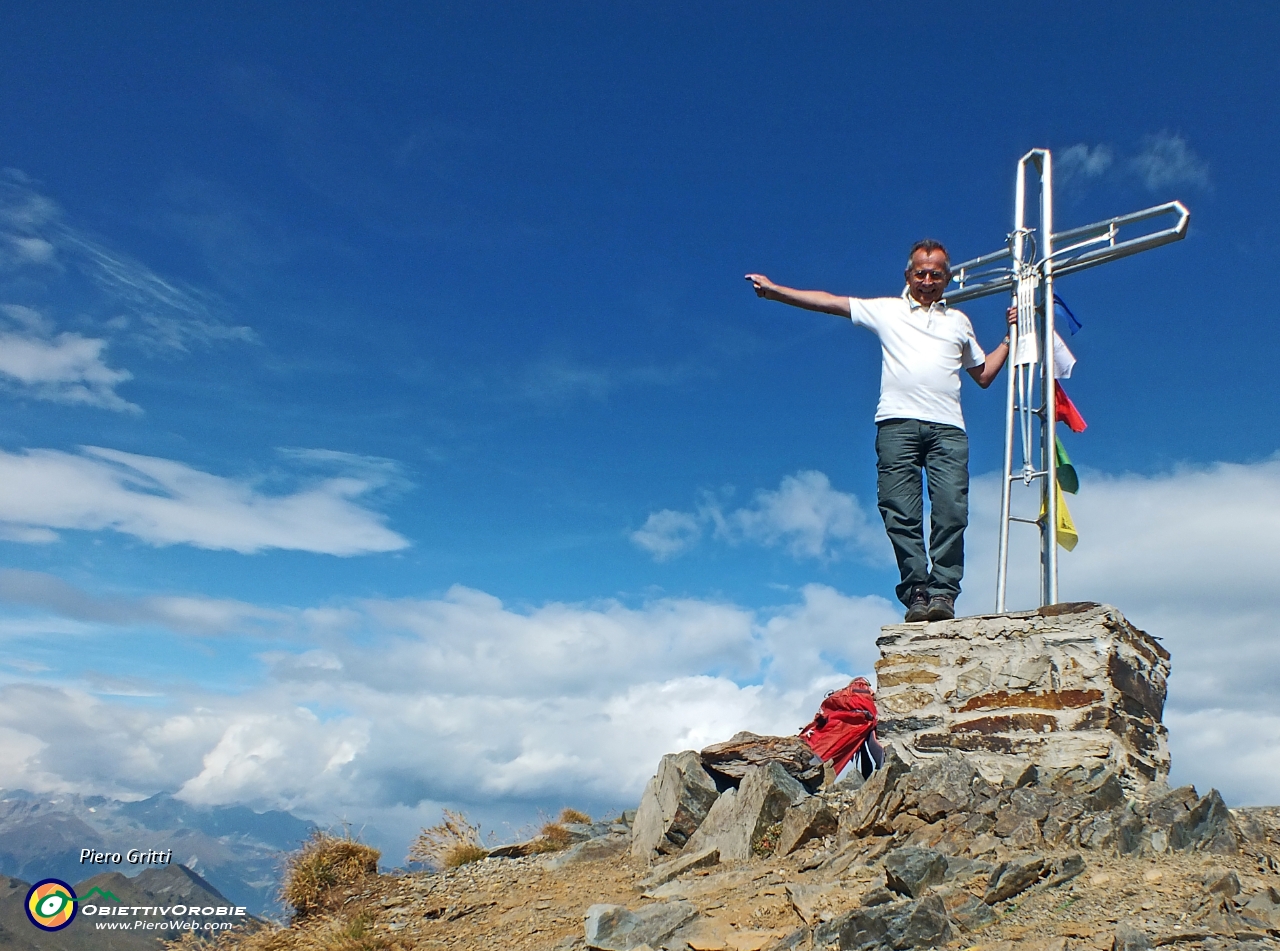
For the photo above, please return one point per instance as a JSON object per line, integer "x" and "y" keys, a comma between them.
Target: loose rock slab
{"x": 678, "y": 866}
{"x": 910, "y": 871}
{"x": 617, "y": 928}
{"x": 734, "y": 757}
{"x": 598, "y": 849}
{"x": 900, "y": 925}
{"x": 675, "y": 802}
{"x": 737, "y": 822}
{"x": 811, "y": 819}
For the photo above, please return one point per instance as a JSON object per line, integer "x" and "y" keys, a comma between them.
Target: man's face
{"x": 928, "y": 275}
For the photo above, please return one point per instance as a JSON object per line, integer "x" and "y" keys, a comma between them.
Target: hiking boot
{"x": 918, "y": 605}
{"x": 941, "y": 608}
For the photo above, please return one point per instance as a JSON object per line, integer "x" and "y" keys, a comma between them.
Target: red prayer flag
{"x": 1066, "y": 411}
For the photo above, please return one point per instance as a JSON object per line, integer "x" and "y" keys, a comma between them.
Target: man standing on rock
{"x": 924, "y": 344}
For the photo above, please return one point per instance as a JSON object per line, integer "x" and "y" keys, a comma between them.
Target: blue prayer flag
{"x": 1062, "y": 312}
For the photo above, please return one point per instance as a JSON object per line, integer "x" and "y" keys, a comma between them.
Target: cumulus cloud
{"x": 459, "y": 698}
{"x": 163, "y": 502}
{"x": 1228, "y": 747}
{"x": 1167, "y": 160}
{"x": 478, "y": 646}
{"x": 254, "y": 752}
{"x": 668, "y": 533}
{"x": 804, "y": 515}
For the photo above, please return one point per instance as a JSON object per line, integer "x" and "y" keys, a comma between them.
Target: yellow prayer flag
{"x": 1067, "y": 536}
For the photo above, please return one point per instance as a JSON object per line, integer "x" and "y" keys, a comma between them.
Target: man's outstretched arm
{"x": 809, "y": 300}
{"x": 986, "y": 373}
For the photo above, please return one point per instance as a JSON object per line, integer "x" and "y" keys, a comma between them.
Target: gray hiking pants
{"x": 905, "y": 447}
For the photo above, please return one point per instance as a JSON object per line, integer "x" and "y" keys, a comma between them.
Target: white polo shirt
{"x": 923, "y": 349}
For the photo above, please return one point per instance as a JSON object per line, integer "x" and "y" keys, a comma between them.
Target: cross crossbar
{"x": 982, "y": 276}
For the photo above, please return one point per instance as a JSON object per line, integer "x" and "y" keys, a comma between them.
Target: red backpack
{"x": 844, "y": 722}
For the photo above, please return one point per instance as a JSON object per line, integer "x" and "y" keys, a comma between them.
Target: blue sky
{"x": 385, "y": 423}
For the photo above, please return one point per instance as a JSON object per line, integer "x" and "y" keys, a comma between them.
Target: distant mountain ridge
{"x": 237, "y": 849}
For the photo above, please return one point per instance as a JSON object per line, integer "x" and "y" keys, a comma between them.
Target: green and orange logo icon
{"x": 51, "y": 904}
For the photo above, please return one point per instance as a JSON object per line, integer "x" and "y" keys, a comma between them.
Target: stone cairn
{"x": 1071, "y": 685}
{"x": 1017, "y": 745}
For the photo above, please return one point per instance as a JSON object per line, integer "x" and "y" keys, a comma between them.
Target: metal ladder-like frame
{"x": 1027, "y": 268}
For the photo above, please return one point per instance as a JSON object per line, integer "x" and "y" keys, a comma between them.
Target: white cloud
{"x": 1231, "y": 748}
{"x": 1166, "y": 160}
{"x": 478, "y": 646}
{"x": 668, "y": 533}
{"x": 1142, "y": 538}
{"x": 804, "y": 514}
{"x": 23, "y": 210}
{"x": 284, "y": 754}
{"x": 28, "y": 318}
{"x": 65, "y": 369}
{"x": 458, "y": 699}
{"x": 27, "y": 535}
{"x": 185, "y": 614}
{"x": 172, "y": 315}
{"x": 33, "y": 250}
{"x": 163, "y": 502}
{"x": 1081, "y": 161}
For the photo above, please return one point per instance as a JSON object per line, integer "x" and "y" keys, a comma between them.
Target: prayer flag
{"x": 1067, "y": 477}
{"x": 1067, "y": 536}
{"x": 1064, "y": 361}
{"x": 1062, "y": 313}
{"x": 1066, "y": 411}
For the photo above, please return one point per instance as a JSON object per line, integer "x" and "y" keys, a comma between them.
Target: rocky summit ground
{"x": 933, "y": 856}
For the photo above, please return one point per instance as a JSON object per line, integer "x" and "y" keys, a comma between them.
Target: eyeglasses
{"x": 920, "y": 275}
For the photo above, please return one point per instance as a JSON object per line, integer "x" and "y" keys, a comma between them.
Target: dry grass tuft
{"x": 574, "y": 817}
{"x": 553, "y": 838}
{"x": 319, "y": 875}
{"x": 464, "y": 853}
{"x": 452, "y": 843}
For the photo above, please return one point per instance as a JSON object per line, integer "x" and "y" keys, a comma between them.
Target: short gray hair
{"x": 928, "y": 246}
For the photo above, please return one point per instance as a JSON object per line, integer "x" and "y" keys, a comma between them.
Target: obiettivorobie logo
{"x": 51, "y": 903}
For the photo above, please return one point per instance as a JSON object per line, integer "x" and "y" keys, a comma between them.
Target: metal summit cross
{"x": 1027, "y": 267}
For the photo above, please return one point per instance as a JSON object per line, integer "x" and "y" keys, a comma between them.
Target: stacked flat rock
{"x": 1069, "y": 685}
